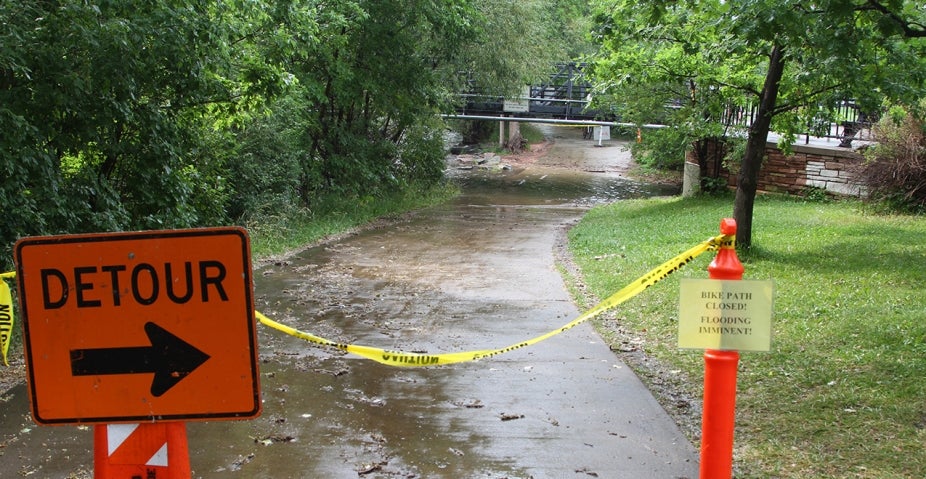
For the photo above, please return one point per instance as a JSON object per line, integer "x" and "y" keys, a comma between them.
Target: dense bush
{"x": 103, "y": 116}
{"x": 264, "y": 170}
{"x": 896, "y": 168}
{"x": 662, "y": 148}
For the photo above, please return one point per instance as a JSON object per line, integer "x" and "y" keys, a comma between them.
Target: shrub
{"x": 662, "y": 149}
{"x": 895, "y": 171}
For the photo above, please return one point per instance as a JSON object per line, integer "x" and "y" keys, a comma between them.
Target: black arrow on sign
{"x": 169, "y": 358}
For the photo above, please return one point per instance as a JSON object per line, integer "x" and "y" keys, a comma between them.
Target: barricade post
{"x": 154, "y": 450}
{"x": 720, "y": 367}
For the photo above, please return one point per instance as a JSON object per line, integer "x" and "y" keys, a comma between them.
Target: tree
{"x": 372, "y": 75}
{"x": 520, "y": 42}
{"x": 790, "y": 60}
{"x": 366, "y": 74}
{"x": 149, "y": 114}
{"x": 123, "y": 114}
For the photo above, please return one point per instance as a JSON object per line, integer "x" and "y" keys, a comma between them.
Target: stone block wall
{"x": 830, "y": 168}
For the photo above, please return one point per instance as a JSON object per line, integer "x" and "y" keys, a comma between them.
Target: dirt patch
{"x": 530, "y": 155}
{"x": 639, "y": 173}
{"x": 14, "y": 374}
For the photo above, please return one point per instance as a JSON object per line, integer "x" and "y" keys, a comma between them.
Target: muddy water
{"x": 474, "y": 274}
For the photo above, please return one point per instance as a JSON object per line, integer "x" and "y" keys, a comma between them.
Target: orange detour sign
{"x": 139, "y": 327}
{"x": 147, "y": 450}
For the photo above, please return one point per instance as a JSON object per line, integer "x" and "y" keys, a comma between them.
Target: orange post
{"x": 717, "y": 419}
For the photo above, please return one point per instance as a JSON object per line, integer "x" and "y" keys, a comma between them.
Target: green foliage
{"x": 531, "y": 133}
{"x": 104, "y": 100}
{"x": 264, "y": 171}
{"x": 168, "y": 114}
{"x": 475, "y": 132}
{"x": 420, "y": 159}
{"x": 714, "y": 186}
{"x": 113, "y": 110}
{"x": 366, "y": 90}
{"x": 815, "y": 194}
{"x": 519, "y": 42}
{"x": 662, "y": 148}
{"x": 701, "y": 58}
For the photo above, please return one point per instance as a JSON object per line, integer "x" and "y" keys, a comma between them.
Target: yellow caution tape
{"x": 404, "y": 359}
{"x": 399, "y": 358}
{"x": 6, "y": 318}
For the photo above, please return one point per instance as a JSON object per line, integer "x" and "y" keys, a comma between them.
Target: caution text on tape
{"x": 407, "y": 359}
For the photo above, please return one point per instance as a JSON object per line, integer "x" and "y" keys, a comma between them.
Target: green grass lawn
{"x": 842, "y": 393}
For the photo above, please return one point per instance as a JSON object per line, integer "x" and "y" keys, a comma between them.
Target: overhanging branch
{"x": 911, "y": 29}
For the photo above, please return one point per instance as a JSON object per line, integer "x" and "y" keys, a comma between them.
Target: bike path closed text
{"x": 721, "y": 314}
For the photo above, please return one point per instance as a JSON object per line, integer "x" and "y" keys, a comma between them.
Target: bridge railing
{"x": 540, "y": 104}
{"x": 567, "y": 93}
{"x": 844, "y": 121}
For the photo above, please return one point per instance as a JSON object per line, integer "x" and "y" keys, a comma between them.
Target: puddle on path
{"x": 539, "y": 186}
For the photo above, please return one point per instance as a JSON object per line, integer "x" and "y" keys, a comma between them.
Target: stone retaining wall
{"x": 829, "y": 168}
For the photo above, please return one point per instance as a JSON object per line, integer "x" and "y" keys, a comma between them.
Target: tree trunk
{"x": 747, "y": 180}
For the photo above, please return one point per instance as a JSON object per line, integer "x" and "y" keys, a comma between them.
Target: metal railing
{"x": 845, "y": 122}
{"x": 567, "y": 94}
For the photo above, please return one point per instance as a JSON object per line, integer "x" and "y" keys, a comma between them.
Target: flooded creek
{"x": 475, "y": 273}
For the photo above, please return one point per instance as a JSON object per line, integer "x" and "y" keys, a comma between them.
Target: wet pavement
{"x": 477, "y": 273}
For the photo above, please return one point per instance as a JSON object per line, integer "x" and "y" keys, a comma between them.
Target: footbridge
{"x": 563, "y": 99}
{"x": 564, "y": 96}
